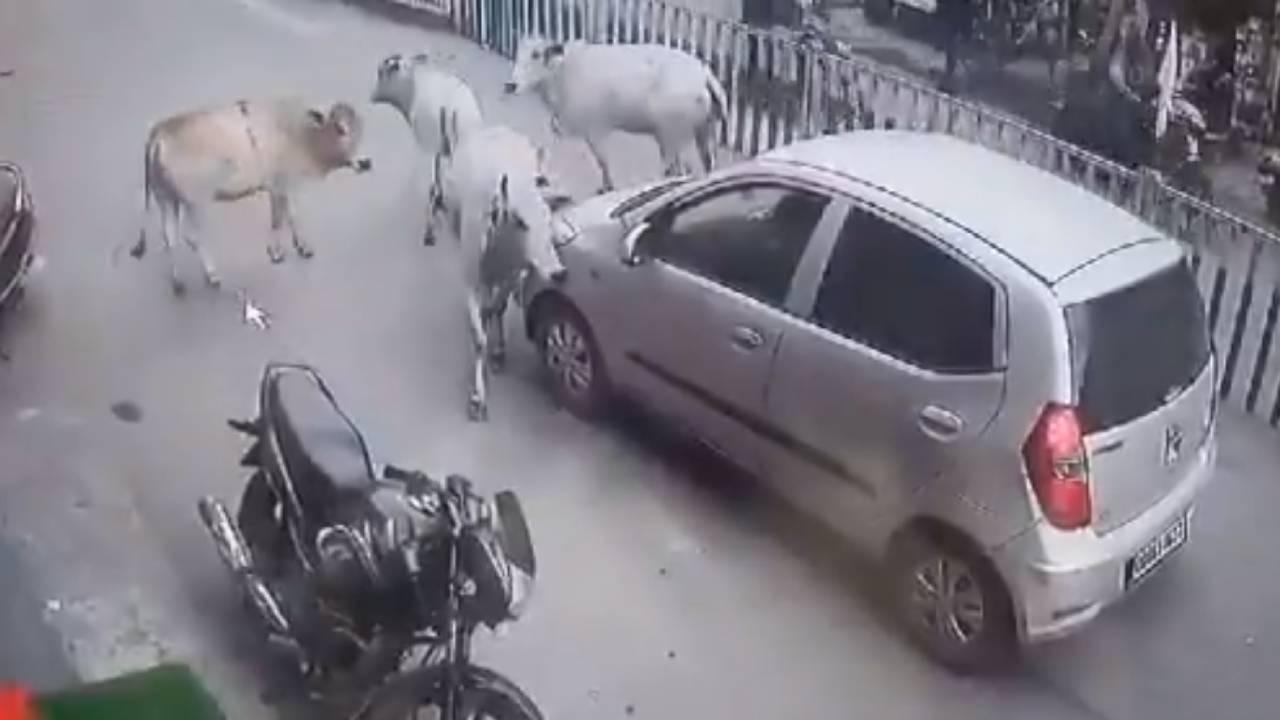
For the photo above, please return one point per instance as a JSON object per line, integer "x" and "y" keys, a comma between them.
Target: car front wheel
{"x": 953, "y": 603}
{"x": 572, "y": 361}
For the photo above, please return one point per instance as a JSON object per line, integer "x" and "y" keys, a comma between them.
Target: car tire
{"x": 571, "y": 360}
{"x": 952, "y": 602}
{"x": 878, "y": 12}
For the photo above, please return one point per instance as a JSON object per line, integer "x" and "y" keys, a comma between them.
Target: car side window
{"x": 748, "y": 238}
{"x": 888, "y": 288}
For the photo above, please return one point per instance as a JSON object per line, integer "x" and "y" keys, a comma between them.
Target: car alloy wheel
{"x": 568, "y": 357}
{"x": 953, "y": 602}
{"x": 947, "y": 600}
{"x": 572, "y": 360}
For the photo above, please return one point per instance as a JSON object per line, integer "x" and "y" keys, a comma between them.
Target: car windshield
{"x": 1131, "y": 349}
{"x": 644, "y": 196}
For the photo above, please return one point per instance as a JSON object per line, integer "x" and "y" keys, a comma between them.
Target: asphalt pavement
{"x": 669, "y": 587}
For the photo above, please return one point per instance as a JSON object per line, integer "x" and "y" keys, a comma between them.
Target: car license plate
{"x": 1150, "y": 556}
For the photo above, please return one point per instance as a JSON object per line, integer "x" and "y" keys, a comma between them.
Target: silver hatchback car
{"x": 994, "y": 380}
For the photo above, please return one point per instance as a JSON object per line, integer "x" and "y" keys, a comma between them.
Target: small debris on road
{"x": 631, "y": 709}
{"x": 127, "y": 411}
{"x": 1248, "y": 640}
{"x": 662, "y": 571}
{"x": 7, "y": 73}
{"x": 671, "y": 654}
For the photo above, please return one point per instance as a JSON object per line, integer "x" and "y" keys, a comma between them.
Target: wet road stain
{"x": 127, "y": 411}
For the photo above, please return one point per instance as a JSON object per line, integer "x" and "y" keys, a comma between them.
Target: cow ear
{"x": 315, "y": 116}
{"x": 554, "y": 51}
{"x": 502, "y": 190}
{"x": 421, "y": 58}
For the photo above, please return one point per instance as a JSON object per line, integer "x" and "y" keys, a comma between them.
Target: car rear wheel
{"x": 952, "y": 602}
{"x": 572, "y": 360}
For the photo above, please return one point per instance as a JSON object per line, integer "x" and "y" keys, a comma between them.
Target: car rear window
{"x": 1135, "y": 347}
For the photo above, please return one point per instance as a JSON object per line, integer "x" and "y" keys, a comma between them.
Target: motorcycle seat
{"x": 324, "y": 453}
{"x": 8, "y": 198}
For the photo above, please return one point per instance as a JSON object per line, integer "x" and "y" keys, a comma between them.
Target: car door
{"x": 706, "y": 304}
{"x": 892, "y": 375}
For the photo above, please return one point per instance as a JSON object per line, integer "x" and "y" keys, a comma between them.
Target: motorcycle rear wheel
{"x": 484, "y": 694}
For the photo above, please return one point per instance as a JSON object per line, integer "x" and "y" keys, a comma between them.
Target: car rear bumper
{"x": 1059, "y": 584}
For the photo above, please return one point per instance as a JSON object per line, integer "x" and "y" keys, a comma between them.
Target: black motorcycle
{"x": 17, "y": 235}
{"x": 373, "y": 583}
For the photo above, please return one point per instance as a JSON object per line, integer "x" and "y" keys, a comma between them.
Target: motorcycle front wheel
{"x": 483, "y": 695}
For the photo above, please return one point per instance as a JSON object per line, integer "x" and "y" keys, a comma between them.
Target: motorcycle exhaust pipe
{"x": 237, "y": 557}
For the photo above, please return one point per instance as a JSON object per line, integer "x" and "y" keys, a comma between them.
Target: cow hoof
{"x": 304, "y": 251}
{"x": 542, "y": 181}
{"x": 497, "y": 362}
{"x": 429, "y": 238}
{"x": 276, "y": 254}
{"x": 139, "y": 249}
{"x": 477, "y": 411}
{"x": 179, "y": 287}
{"x": 213, "y": 280}
{"x": 605, "y": 188}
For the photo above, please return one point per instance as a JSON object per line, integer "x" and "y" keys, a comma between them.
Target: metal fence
{"x": 781, "y": 90}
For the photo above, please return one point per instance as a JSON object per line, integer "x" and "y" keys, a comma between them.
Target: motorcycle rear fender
{"x": 399, "y": 694}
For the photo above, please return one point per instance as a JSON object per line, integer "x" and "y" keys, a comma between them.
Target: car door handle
{"x": 940, "y": 423}
{"x": 746, "y": 338}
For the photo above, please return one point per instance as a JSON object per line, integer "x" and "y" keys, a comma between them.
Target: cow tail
{"x": 719, "y": 102}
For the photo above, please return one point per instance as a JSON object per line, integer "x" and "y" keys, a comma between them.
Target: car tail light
{"x": 1059, "y": 468}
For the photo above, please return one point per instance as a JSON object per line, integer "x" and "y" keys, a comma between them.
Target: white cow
{"x": 593, "y": 89}
{"x": 429, "y": 98}
{"x": 494, "y": 206}
{"x": 228, "y": 153}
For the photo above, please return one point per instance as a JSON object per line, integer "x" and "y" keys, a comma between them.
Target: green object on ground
{"x": 165, "y": 692}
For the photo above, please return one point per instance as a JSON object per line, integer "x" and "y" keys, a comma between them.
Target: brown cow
{"x": 229, "y": 153}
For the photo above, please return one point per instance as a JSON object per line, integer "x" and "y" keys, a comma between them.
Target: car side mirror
{"x": 632, "y": 252}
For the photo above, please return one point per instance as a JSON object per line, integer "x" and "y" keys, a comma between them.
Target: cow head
{"x": 536, "y": 59}
{"x": 394, "y": 86}
{"x": 517, "y": 213}
{"x": 335, "y": 138}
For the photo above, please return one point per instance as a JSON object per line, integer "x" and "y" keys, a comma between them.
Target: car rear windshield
{"x": 1135, "y": 347}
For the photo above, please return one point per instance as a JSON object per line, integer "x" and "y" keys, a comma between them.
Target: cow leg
{"x": 188, "y": 236}
{"x": 279, "y": 209}
{"x": 704, "y": 139}
{"x": 303, "y": 249}
{"x": 593, "y": 144}
{"x": 435, "y": 201}
{"x": 669, "y": 152}
{"x": 497, "y": 332}
{"x": 168, "y": 228}
{"x": 477, "y": 402}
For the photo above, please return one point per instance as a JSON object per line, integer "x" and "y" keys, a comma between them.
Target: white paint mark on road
{"x": 28, "y": 414}
{"x": 281, "y": 17}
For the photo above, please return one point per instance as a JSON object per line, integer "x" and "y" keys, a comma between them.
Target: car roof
{"x": 1045, "y": 223}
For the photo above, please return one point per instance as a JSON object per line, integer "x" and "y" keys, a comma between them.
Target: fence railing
{"x": 781, "y": 90}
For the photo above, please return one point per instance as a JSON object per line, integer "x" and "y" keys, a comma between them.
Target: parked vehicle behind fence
{"x": 994, "y": 380}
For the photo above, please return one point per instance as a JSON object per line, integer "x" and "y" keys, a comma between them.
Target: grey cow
{"x": 593, "y": 89}
{"x": 229, "y": 153}
{"x": 500, "y": 216}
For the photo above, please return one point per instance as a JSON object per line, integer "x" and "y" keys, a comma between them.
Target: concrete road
{"x": 669, "y": 588}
